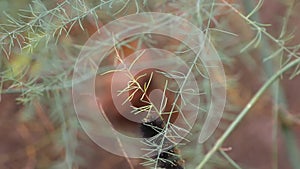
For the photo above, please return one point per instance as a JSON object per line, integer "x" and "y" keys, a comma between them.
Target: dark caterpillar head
{"x": 152, "y": 128}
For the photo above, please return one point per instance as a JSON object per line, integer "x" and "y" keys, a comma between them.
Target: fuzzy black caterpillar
{"x": 169, "y": 159}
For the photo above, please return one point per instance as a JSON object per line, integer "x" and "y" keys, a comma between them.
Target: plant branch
{"x": 231, "y": 161}
{"x": 259, "y": 27}
{"x": 244, "y": 112}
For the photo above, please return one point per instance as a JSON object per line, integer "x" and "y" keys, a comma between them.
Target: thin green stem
{"x": 244, "y": 112}
{"x": 279, "y": 98}
{"x": 270, "y": 67}
{"x": 231, "y": 161}
{"x": 277, "y": 92}
{"x": 180, "y": 91}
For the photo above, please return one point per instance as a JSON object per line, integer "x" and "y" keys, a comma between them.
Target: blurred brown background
{"x": 33, "y": 143}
